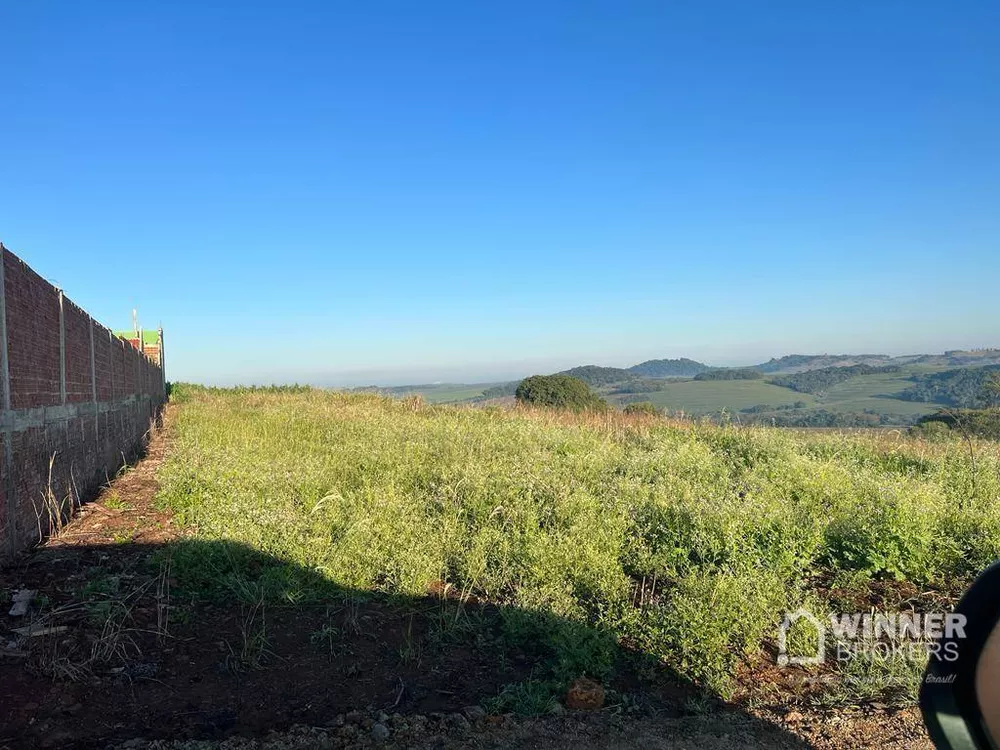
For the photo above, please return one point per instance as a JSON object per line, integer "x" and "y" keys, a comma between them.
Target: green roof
{"x": 149, "y": 338}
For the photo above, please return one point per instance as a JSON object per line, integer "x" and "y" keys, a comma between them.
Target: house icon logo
{"x": 790, "y": 619}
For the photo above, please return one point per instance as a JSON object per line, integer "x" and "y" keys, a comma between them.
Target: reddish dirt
{"x": 155, "y": 667}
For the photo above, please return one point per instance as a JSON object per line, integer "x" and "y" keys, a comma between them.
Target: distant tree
{"x": 596, "y": 376}
{"x": 642, "y": 407}
{"x": 965, "y": 387}
{"x": 982, "y": 422}
{"x": 730, "y": 373}
{"x": 818, "y": 381}
{"x": 991, "y": 390}
{"x": 499, "y": 391}
{"x": 560, "y": 391}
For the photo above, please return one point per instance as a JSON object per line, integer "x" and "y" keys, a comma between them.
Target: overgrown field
{"x": 683, "y": 542}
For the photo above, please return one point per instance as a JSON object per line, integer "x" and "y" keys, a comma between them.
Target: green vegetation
{"x": 595, "y": 376}
{"x": 685, "y": 541}
{"x": 642, "y": 407}
{"x": 849, "y": 390}
{"x": 967, "y": 387}
{"x": 764, "y": 408}
{"x": 701, "y": 397}
{"x": 827, "y": 418}
{"x": 730, "y": 373}
{"x": 437, "y": 393}
{"x": 801, "y": 362}
{"x": 819, "y": 381}
{"x": 500, "y": 391}
{"x": 980, "y": 422}
{"x": 991, "y": 390}
{"x": 559, "y": 391}
{"x": 638, "y": 386}
{"x": 668, "y": 368}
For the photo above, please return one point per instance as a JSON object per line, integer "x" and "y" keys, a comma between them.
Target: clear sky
{"x": 357, "y": 192}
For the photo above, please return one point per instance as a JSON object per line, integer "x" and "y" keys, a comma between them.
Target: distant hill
{"x": 898, "y": 390}
{"x": 793, "y": 363}
{"x": 594, "y": 375}
{"x": 959, "y": 358}
{"x": 668, "y": 368}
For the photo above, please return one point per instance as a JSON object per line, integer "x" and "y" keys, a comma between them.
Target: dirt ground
{"x": 108, "y": 657}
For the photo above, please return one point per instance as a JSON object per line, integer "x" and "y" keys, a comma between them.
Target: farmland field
{"x": 682, "y": 543}
{"x": 873, "y": 391}
{"x": 697, "y": 397}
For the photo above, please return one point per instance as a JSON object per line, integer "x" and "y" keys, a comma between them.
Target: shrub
{"x": 560, "y": 391}
{"x": 730, "y": 373}
{"x": 982, "y": 422}
{"x": 642, "y": 407}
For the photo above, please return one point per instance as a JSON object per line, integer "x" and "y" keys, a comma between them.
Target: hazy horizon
{"x": 473, "y": 375}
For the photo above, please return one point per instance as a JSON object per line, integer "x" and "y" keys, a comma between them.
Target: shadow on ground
{"x": 200, "y": 640}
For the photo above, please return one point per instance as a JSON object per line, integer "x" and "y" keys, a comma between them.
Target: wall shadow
{"x": 195, "y": 639}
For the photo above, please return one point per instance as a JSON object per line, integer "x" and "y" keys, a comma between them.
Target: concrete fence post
{"x": 11, "y": 533}
{"x": 62, "y": 349}
{"x": 4, "y": 364}
{"x": 163, "y": 366}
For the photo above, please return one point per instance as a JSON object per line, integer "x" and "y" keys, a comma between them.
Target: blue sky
{"x": 348, "y": 193}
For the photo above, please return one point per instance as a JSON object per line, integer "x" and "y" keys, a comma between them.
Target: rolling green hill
{"x": 811, "y": 390}
{"x": 668, "y": 368}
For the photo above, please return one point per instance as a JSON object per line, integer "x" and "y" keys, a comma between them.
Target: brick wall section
{"x": 55, "y": 451}
{"x": 32, "y": 335}
{"x": 102, "y": 360}
{"x": 117, "y": 368}
{"x": 78, "y": 380}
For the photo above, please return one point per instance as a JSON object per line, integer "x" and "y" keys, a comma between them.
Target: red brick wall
{"x": 32, "y": 335}
{"x": 67, "y": 449}
{"x": 78, "y": 380}
{"x": 102, "y": 360}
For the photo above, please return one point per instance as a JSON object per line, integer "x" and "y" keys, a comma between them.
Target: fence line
{"x": 77, "y": 402}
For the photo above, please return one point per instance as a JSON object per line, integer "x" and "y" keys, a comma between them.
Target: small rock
{"x": 20, "y": 602}
{"x": 585, "y": 694}
{"x": 458, "y": 722}
{"x": 474, "y": 713}
{"x": 380, "y": 732}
